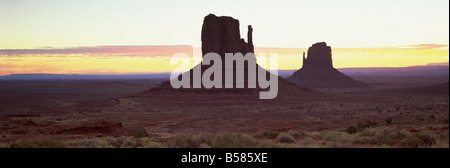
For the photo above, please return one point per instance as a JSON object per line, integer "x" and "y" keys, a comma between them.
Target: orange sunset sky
{"x": 137, "y": 37}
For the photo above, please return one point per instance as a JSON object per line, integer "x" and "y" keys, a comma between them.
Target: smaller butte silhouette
{"x": 318, "y": 70}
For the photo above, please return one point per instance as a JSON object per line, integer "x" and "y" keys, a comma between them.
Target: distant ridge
{"x": 439, "y": 90}
{"x": 42, "y": 76}
{"x": 432, "y": 69}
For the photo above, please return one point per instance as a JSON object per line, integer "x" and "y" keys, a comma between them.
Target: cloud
{"x": 102, "y": 51}
{"x": 426, "y": 46}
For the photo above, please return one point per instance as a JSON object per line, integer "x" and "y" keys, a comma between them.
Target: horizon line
{"x": 440, "y": 64}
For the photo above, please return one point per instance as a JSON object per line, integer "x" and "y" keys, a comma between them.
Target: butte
{"x": 222, "y": 35}
{"x": 318, "y": 71}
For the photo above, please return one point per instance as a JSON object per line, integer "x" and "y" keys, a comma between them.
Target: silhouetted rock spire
{"x": 221, "y": 35}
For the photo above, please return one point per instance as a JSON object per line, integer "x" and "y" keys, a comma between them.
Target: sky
{"x": 362, "y": 33}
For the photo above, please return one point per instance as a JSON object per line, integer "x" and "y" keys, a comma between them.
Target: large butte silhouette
{"x": 222, "y": 35}
{"x": 318, "y": 71}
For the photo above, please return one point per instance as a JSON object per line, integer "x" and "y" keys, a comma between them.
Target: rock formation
{"x": 222, "y": 35}
{"x": 318, "y": 71}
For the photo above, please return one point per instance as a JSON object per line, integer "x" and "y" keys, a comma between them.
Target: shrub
{"x": 140, "y": 133}
{"x": 427, "y": 138}
{"x": 382, "y": 138}
{"x": 446, "y": 120}
{"x": 297, "y": 135}
{"x": 388, "y": 120}
{"x": 368, "y": 132}
{"x": 151, "y": 144}
{"x": 351, "y": 130}
{"x": 399, "y": 135}
{"x": 90, "y": 143}
{"x": 267, "y": 134}
{"x": 309, "y": 142}
{"x": 367, "y": 124}
{"x": 235, "y": 140}
{"x": 285, "y": 138}
{"x": 38, "y": 143}
{"x": 332, "y": 144}
{"x": 410, "y": 142}
{"x": 183, "y": 141}
{"x": 422, "y": 139}
{"x": 347, "y": 140}
{"x": 331, "y": 137}
{"x": 132, "y": 143}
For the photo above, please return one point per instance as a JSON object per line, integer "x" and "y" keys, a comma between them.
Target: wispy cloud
{"x": 168, "y": 51}
{"x": 426, "y": 46}
{"x": 105, "y": 51}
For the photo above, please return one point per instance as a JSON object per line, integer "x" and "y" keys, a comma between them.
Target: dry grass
{"x": 373, "y": 137}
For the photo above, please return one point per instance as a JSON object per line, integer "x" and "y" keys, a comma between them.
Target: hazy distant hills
{"x": 82, "y": 77}
{"x": 429, "y": 70}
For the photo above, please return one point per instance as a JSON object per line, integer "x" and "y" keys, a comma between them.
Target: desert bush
{"x": 183, "y": 141}
{"x": 446, "y": 121}
{"x": 124, "y": 142}
{"x": 234, "y": 140}
{"x": 297, "y": 134}
{"x": 351, "y": 130}
{"x": 238, "y": 140}
{"x": 267, "y": 135}
{"x": 347, "y": 140}
{"x": 368, "y": 132}
{"x": 427, "y": 139}
{"x": 268, "y": 144}
{"x": 285, "y": 138}
{"x": 117, "y": 142}
{"x": 331, "y": 136}
{"x": 206, "y": 138}
{"x": 38, "y": 143}
{"x": 381, "y": 138}
{"x": 443, "y": 140}
{"x": 131, "y": 142}
{"x": 4, "y": 145}
{"x": 140, "y": 133}
{"x": 90, "y": 143}
{"x": 421, "y": 139}
{"x": 367, "y": 124}
{"x": 151, "y": 144}
{"x": 432, "y": 117}
{"x": 410, "y": 142}
{"x": 331, "y": 140}
{"x": 388, "y": 120}
{"x": 309, "y": 143}
{"x": 317, "y": 135}
{"x": 399, "y": 135}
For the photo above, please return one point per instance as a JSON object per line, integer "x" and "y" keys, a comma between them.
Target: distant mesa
{"x": 222, "y": 35}
{"x": 441, "y": 89}
{"x": 318, "y": 70}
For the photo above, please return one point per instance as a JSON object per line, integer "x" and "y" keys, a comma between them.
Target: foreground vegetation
{"x": 352, "y": 137}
